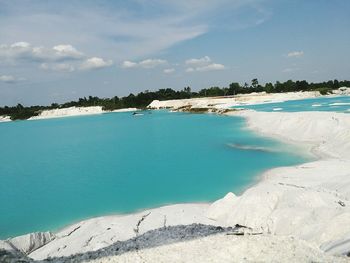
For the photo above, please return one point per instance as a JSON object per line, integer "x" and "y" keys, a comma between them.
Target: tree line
{"x": 142, "y": 99}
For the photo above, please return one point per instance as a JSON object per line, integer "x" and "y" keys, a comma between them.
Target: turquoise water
{"x": 58, "y": 171}
{"x": 337, "y": 104}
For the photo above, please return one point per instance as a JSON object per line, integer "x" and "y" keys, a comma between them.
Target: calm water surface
{"x": 58, "y": 171}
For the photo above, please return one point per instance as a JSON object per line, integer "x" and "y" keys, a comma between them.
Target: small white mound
{"x": 5, "y": 118}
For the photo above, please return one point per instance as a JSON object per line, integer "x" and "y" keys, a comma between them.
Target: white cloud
{"x": 95, "y": 63}
{"x": 24, "y": 50}
{"x": 202, "y": 64}
{"x": 295, "y": 54}
{"x": 18, "y": 49}
{"x": 146, "y": 64}
{"x": 20, "y": 45}
{"x": 169, "y": 70}
{"x": 60, "y": 67}
{"x": 211, "y": 67}
{"x": 289, "y": 70}
{"x": 152, "y": 63}
{"x": 67, "y": 51}
{"x": 138, "y": 30}
{"x": 9, "y": 79}
{"x": 198, "y": 62}
{"x": 129, "y": 64}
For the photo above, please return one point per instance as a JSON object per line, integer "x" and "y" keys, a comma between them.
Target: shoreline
{"x": 242, "y": 99}
{"x": 310, "y": 149}
{"x": 213, "y": 102}
{"x": 70, "y": 112}
{"x": 277, "y": 181}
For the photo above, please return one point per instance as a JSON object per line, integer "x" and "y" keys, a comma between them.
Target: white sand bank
{"x": 310, "y": 202}
{"x": 242, "y": 99}
{"x": 66, "y": 112}
{"x": 5, "y": 118}
{"x": 75, "y": 111}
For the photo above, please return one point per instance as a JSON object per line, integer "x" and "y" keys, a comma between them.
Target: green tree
{"x": 234, "y": 88}
{"x": 255, "y": 83}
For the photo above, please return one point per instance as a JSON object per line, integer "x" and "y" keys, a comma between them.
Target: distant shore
{"x": 310, "y": 202}
{"x": 211, "y": 102}
{"x": 241, "y": 99}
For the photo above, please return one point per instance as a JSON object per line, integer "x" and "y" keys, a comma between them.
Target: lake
{"x": 56, "y": 172}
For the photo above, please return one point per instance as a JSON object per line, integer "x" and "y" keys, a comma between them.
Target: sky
{"x": 57, "y": 51}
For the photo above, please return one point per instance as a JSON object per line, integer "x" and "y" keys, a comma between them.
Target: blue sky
{"x": 54, "y": 51}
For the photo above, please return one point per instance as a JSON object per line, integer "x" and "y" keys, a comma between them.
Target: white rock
{"x": 30, "y": 242}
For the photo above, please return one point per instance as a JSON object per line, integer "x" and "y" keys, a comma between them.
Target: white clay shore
{"x": 241, "y": 99}
{"x": 302, "y": 211}
{"x": 75, "y": 111}
{"x": 70, "y": 112}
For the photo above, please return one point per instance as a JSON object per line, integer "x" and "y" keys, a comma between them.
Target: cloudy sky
{"x": 54, "y": 51}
